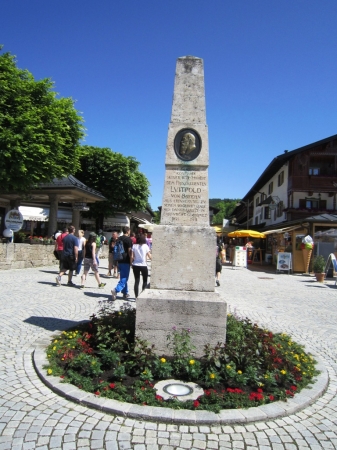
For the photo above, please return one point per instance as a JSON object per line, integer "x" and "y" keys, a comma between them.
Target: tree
{"x": 39, "y": 133}
{"x": 117, "y": 177}
{"x": 226, "y": 207}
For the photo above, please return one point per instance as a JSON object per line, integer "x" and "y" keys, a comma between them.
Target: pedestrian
{"x": 112, "y": 263}
{"x": 218, "y": 265}
{"x": 81, "y": 243}
{"x": 69, "y": 256}
{"x": 140, "y": 254}
{"x": 59, "y": 246}
{"x": 100, "y": 239}
{"x": 90, "y": 261}
{"x": 124, "y": 265}
{"x": 133, "y": 238}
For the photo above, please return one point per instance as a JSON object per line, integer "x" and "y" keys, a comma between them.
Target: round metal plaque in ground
{"x": 180, "y": 390}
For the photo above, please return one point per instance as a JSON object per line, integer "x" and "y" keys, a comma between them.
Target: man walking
{"x": 124, "y": 265}
{"x": 69, "y": 256}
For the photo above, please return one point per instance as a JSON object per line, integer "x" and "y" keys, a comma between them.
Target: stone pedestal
{"x": 182, "y": 290}
{"x": 158, "y": 311}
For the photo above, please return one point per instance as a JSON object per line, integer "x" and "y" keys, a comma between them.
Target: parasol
{"x": 246, "y": 233}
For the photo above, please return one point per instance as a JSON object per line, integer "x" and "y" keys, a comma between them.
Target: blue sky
{"x": 270, "y": 74}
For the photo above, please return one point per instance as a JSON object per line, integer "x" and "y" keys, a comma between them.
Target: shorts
{"x": 89, "y": 264}
{"x": 68, "y": 263}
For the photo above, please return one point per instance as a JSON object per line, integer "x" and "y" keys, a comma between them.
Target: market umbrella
{"x": 246, "y": 233}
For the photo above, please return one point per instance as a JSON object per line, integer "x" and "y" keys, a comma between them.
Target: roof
{"x": 70, "y": 182}
{"x": 279, "y": 161}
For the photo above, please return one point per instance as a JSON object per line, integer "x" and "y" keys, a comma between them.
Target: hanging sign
{"x": 240, "y": 257}
{"x": 14, "y": 220}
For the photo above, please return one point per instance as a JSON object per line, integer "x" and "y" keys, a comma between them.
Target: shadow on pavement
{"x": 52, "y": 323}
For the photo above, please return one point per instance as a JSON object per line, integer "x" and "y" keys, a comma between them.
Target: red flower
{"x": 97, "y": 393}
{"x": 271, "y": 398}
{"x": 159, "y": 397}
{"x": 112, "y": 385}
{"x": 62, "y": 376}
{"x": 207, "y": 392}
{"x": 293, "y": 388}
{"x": 260, "y": 390}
{"x": 196, "y": 403}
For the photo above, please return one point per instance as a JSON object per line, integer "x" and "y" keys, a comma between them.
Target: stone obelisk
{"x": 182, "y": 293}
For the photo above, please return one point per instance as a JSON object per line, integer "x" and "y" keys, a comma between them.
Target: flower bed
{"x": 254, "y": 367}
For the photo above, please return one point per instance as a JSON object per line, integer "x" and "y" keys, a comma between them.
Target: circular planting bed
{"x": 253, "y": 368}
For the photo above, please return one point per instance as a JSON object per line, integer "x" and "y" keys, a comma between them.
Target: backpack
{"x": 118, "y": 250}
{"x": 99, "y": 241}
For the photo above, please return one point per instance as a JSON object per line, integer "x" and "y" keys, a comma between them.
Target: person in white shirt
{"x": 81, "y": 244}
{"x": 140, "y": 254}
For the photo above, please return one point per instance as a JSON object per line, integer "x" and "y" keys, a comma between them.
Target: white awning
{"x": 119, "y": 220}
{"x": 282, "y": 230}
{"x": 34, "y": 214}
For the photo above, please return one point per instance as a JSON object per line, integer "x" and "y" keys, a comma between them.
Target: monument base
{"x": 158, "y": 311}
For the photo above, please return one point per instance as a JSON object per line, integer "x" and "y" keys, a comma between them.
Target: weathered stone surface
{"x": 183, "y": 258}
{"x": 204, "y": 313}
{"x": 24, "y": 256}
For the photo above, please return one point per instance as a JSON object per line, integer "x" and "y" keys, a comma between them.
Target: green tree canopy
{"x": 226, "y": 207}
{"x": 39, "y": 133}
{"x": 117, "y": 177}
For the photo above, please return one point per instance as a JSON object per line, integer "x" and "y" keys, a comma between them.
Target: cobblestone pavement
{"x": 32, "y": 416}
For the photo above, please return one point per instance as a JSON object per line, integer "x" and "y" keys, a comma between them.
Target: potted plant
{"x": 319, "y": 268}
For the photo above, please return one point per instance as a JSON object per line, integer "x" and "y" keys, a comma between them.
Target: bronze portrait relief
{"x": 187, "y": 144}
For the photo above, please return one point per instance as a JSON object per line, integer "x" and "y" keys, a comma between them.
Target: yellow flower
{"x": 163, "y": 360}
{"x": 283, "y": 372}
{"x": 192, "y": 362}
{"x": 55, "y": 341}
{"x": 228, "y": 367}
{"x": 50, "y": 371}
{"x": 119, "y": 313}
{"x": 239, "y": 372}
{"x": 260, "y": 384}
{"x": 212, "y": 375}
{"x": 54, "y": 348}
{"x": 62, "y": 359}
{"x": 266, "y": 376}
{"x": 144, "y": 372}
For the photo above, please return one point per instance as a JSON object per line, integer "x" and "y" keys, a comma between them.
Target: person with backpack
{"x": 100, "y": 239}
{"x": 90, "y": 262}
{"x": 123, "y": 254}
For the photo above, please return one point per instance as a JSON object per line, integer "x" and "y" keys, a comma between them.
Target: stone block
{"x": 204, "y": 313}
{"x": 189, "y": 262}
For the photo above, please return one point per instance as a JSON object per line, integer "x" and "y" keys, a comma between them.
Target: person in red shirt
{"x": 59, "y": 245}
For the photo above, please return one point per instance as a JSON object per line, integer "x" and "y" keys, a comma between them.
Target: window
{"x": 280, "y": 178}
{"x": 313, "y": 171}
{"x": 270, "y": 188}
{"x": 267, "y": 212}
{"x": 256, "y": 220}
{"x": 280, "y": 209}
{"x": 312, "y": 203}
{"x": 257, "y": 201}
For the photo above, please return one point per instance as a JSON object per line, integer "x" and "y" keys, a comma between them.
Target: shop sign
{"x": 14, "y": 220}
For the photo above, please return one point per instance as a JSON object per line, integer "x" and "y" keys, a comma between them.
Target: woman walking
{"x": 140, "y": 254}
{"x": 81, "y": 244}
{"x": 90, "y": 261}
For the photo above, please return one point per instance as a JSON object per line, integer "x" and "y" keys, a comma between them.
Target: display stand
{"x": 240, "y": 257}
{"x": 331, "y": 261}
{"x": 257, "y": 253}
{"x": 284, "y": 262}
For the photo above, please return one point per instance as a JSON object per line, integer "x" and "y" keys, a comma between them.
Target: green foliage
{"x": 117, "y": 177}
{"x": 39, "y": 133}
{"x": 226, "y": 207}
{"x": 253, "y": 366}
{"x": 319, "y": 264}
